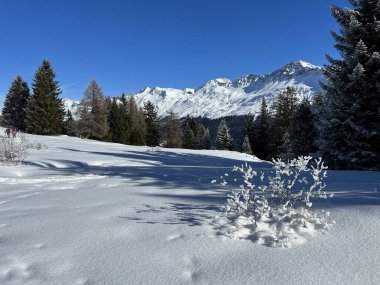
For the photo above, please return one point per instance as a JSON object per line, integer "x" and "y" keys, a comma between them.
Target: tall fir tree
{"x": 45, "y": 111}
{"x": 93, "y": 113}
{"x": 302, "y": 133}
{"x": 15, "y": 104}
{"x": 152, "y": 124}
{"x": 249, "y": 130}
{"x": 246, "y": 147}
{"x": 224, "y": 139}
{"x": 119, "y": 130}
{"x": 350, "y": 137}
{"x": 69, "y": 125}
{"x": 189, "y": 133}
{"x": 203, "y": 137}
{"x": 172, "y": 131}
{"x": 262, "y": 125}
{"x": 284, "y": 107}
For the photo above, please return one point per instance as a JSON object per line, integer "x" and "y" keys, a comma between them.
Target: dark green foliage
{"x": 284, "y": 107}
{"x": 152, "y": 125}
{"x": 224, "y": 139}
{"x": 119, "y": 129}
{"x": 262, "y": 124}
{"x": 189, "y": 139}
{"x": 203, "y": 137}
{"x": 69, "y": 126}
{"x": 350, "y": 121}
{"x": 45, "y": 111}
{"x": 15, "y": 104}
{"x": 172, "y": 131}
{"x": 249, "y": 131}
{"x": 246, "y": 147}
{"x": 302, "y": 132}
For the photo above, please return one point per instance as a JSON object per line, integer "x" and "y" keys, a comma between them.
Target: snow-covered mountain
{"x": 222, "y": 97}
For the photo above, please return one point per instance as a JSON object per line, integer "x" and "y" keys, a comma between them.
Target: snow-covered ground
{"x": 86, "y": 212}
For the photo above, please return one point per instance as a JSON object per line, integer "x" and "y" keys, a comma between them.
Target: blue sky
{"x": 127, "y": 45}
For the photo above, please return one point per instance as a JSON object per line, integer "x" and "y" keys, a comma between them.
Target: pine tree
{"x": 93, "y": 113}
{"x": 137, "y": 122}
{"x": 262, "y": 122}
{"x": 249, "y": 131}
{"x": 152, "y": 124}
{"x": 302, "y": 134}
{"x": 69, "y": 127}
{"x": 15, "y": 104}
{"x": 246, "y": 147}
{"x": 172, "y": 131}
{"x": 224, "y": 139}
{"x": 284, "y": 106}
{"x": 119, "y": 129}
{"x": 189, "y": 136}
{"x": 45, "y": 111}
{"x": 350, "y": 137}
{"x": 203, "y": 139}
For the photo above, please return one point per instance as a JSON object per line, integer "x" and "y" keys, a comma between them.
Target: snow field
{"x": 85, "y": 212}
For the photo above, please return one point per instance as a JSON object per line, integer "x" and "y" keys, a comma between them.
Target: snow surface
{"x": 86, "y": 212}
{"x": 223, "y": 97}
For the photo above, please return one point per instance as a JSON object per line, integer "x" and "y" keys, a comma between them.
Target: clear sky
{"x": 128, "y": 44}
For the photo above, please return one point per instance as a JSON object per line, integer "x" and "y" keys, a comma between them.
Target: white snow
{"x": 86, "y": 212}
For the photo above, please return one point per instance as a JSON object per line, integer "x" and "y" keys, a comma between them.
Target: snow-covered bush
{"x": 13, "y": 150}
{"x": 276, "y": 209}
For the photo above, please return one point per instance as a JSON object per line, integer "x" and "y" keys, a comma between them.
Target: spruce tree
{"x": 246, "y": 147}
{"x": 69, "y": 127}
{"x": 93, "y": 120}
{"x": 15, "y": 104}
{"x": 203, "y": 139}
{"x": 45, "y": 111}
{"x": 119, "y": 130}
{"x": 172, "y": 131}
{"x": 224, "y": 139}
{"x": 262, "y": 122}
{"x": 302, "y": 132}
{"x": 350, "y": 137}
{"x": 249, "y": 131}
{"x": 284, "y": 107}
{"x": 189, "y": 136}
{"x": 152, "y": 124}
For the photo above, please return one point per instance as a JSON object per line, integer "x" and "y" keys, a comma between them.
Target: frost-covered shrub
{"x": 13, "y": 150}
{"x": 276, "y": 208}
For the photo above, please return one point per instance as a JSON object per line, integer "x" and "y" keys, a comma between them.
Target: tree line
{"x": 342, "y": 124}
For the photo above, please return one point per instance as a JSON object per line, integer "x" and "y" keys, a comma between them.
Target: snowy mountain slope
{"x": 222, "y": 97}
{"x": 88, "y": 212}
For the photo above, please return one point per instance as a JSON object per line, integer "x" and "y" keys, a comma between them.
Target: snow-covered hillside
{"x": 87, "y": 212}
{"x": 222, "y": 97}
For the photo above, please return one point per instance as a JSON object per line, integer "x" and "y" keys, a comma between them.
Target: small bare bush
{"x": 13, "y": 150}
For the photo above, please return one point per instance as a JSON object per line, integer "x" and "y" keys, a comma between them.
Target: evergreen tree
{"x": 262, "y": 147}
{"x": 224, "y": 139}
{"x": 189, "y": 136}
{"x": 204, "y": 139}
{"x": 93, "y": 120}
{"x": 350, "y": 137}
{"x": 137, "y": 122}
{"x": 69, "y": 127}
{"x": 152, "y": 125}
{"x": 302, "y": 134}
{"x": 15, "y": 104}
{"x": 246, "y": 147}
{"x": 45, "y": 111}
{"x": 284, "y": 106}
{"x": 172, "y": 131}
{"x": 119, "y": 130}
{"x": 249, "y": 131}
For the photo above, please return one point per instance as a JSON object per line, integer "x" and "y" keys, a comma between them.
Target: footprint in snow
{"x": 175, "y": 237}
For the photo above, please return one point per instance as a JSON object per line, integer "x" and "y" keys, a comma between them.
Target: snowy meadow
{"x": 87, "y": 212}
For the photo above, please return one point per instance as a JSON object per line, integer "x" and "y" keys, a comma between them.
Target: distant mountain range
{"x": 223, "y": 97}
